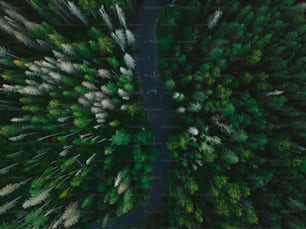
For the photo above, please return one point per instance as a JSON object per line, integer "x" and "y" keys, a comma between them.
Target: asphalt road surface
{"x": 147, "y": 66}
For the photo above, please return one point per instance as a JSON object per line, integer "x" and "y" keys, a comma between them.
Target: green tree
{"x": 121, "y": 137}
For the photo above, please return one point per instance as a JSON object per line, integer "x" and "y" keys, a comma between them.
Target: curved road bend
{"x": 147, "y": 66}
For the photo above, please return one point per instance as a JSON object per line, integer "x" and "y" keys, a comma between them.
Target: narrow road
{"x": 147, "y": 66}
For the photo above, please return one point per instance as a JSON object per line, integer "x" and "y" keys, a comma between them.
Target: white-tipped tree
{"x": 30, "y": 90}
{"x": 90, "y": 96}
{"x": 193, "y": 131}
{"x": 181, "y": 110}
{"x": 107, "y": 104}
{"x": 43, "y": 44}
{"x": 213, "y": 19}
{"x": 125, "y": 71}
{"x": 7, "y": 206}
{"x": 103, "y": 115}
{"x": 17, "y": 120}
{"x": 89, "y": 85}
{"x": 129, "y": 61}
{"x": 33, "y": 201}
{"x": 6, "y": 169}
{"x": 274, "y": 93}
{"x": 9, "y": 188}
{"x": 228, "y": 129}
{"x": 123, "y": 94}
{"x": 119, "y": 38}
{"x": 106, "y": 18}
{"x": 68, "y": 49}
{"x": 105, "y": 90}
{"x": 66, "y": 66}
{"x": 96, "y": 110}
{"x": 77, "y": 12}
{"x": 55, "y": 76}
{"x": 71, "y": 215}
{"x": 3, "y": 52}
{"x": 118, "y": 179}
{"x": 130, "y": 37}
{"x": 22, "y": 37}
{"x": 103, "y": 73}
{"x": 29, "y": 25}
{"x": 89, "y": 160}
{"x": 120, "y": 15}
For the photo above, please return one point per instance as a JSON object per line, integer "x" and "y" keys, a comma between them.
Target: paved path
{"x": 147, "y": 66}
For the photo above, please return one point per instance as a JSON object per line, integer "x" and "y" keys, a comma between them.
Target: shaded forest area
{"x": 76, "y": 145}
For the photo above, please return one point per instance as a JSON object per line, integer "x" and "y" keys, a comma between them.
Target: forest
{"x": 76, "y": 144}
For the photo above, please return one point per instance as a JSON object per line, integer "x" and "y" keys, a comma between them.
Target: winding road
{"x": 147, "y": 66}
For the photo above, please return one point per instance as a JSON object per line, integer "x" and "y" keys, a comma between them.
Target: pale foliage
{"x": 223, "y": 127}
{"x": 7, "y": 169}
{"x": 118, "y": 179}
{"x": 213, "y": 19}
{"x": 101, "y": 115}
{"x": 18, "y": 120}
{"x": 124, "y": 107}
{"x": 43, "y": 44}
{"x": 96, "y": 110}
{"x": 55, "y": 76}
{"x": 90, "y": 96}
{"x": 7, "y": 206}
{"x": 193, "y": 130}
{"x": 56, "y": 223}
{"x": 3, "y": 52}
{"x": 59, "y": 55}
{"x": 105, "y": 90}
{"x": 122, "y": 188}
{"x": 99, "y": 95}
{"x": 103, "y": 73}
{"x": 84, "y": 102}
{"x": 89, "y": 160}
{"x": 20, "y": 137}
{"x": 24, "y": 39}
{"x": 71, "y": 215}
{"x": 125, "y": 71}
{"x": 14, "y": 15}
{"x": 66, "y": 66}
{"x": 77, "y": 12}
{"x": 123, "y": 94}
{"x": 129, "y": 61}
{"x": 273, "y": 93}
{"x": 10, "y": 88}
{"x": 9, "y": 188}
{"x": 106, "y": 18}
{"x": 119, "y": 38}
{"x": 30, "y": 90}
{"x": 107, "y": 104}
{"x": 121, "y": 16}
{"x": 130, "y": 37}
{"x": 181, "y": 110}
{"x": 89, "y": 85}
{"x": 176, "y": 95}
{"x": 63, "y": 119}
{"x": 36, "y": 200}
{"x": 68, "y": 49}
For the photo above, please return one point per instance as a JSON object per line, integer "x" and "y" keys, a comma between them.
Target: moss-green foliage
{"x": 243, "y": 81}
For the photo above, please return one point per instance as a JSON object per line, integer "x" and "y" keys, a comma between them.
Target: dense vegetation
{"x": 235, "y": 75}
{"x": 76, "y": 146}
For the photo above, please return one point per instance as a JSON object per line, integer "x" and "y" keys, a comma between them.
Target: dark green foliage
{"x": 241, "y": 83}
